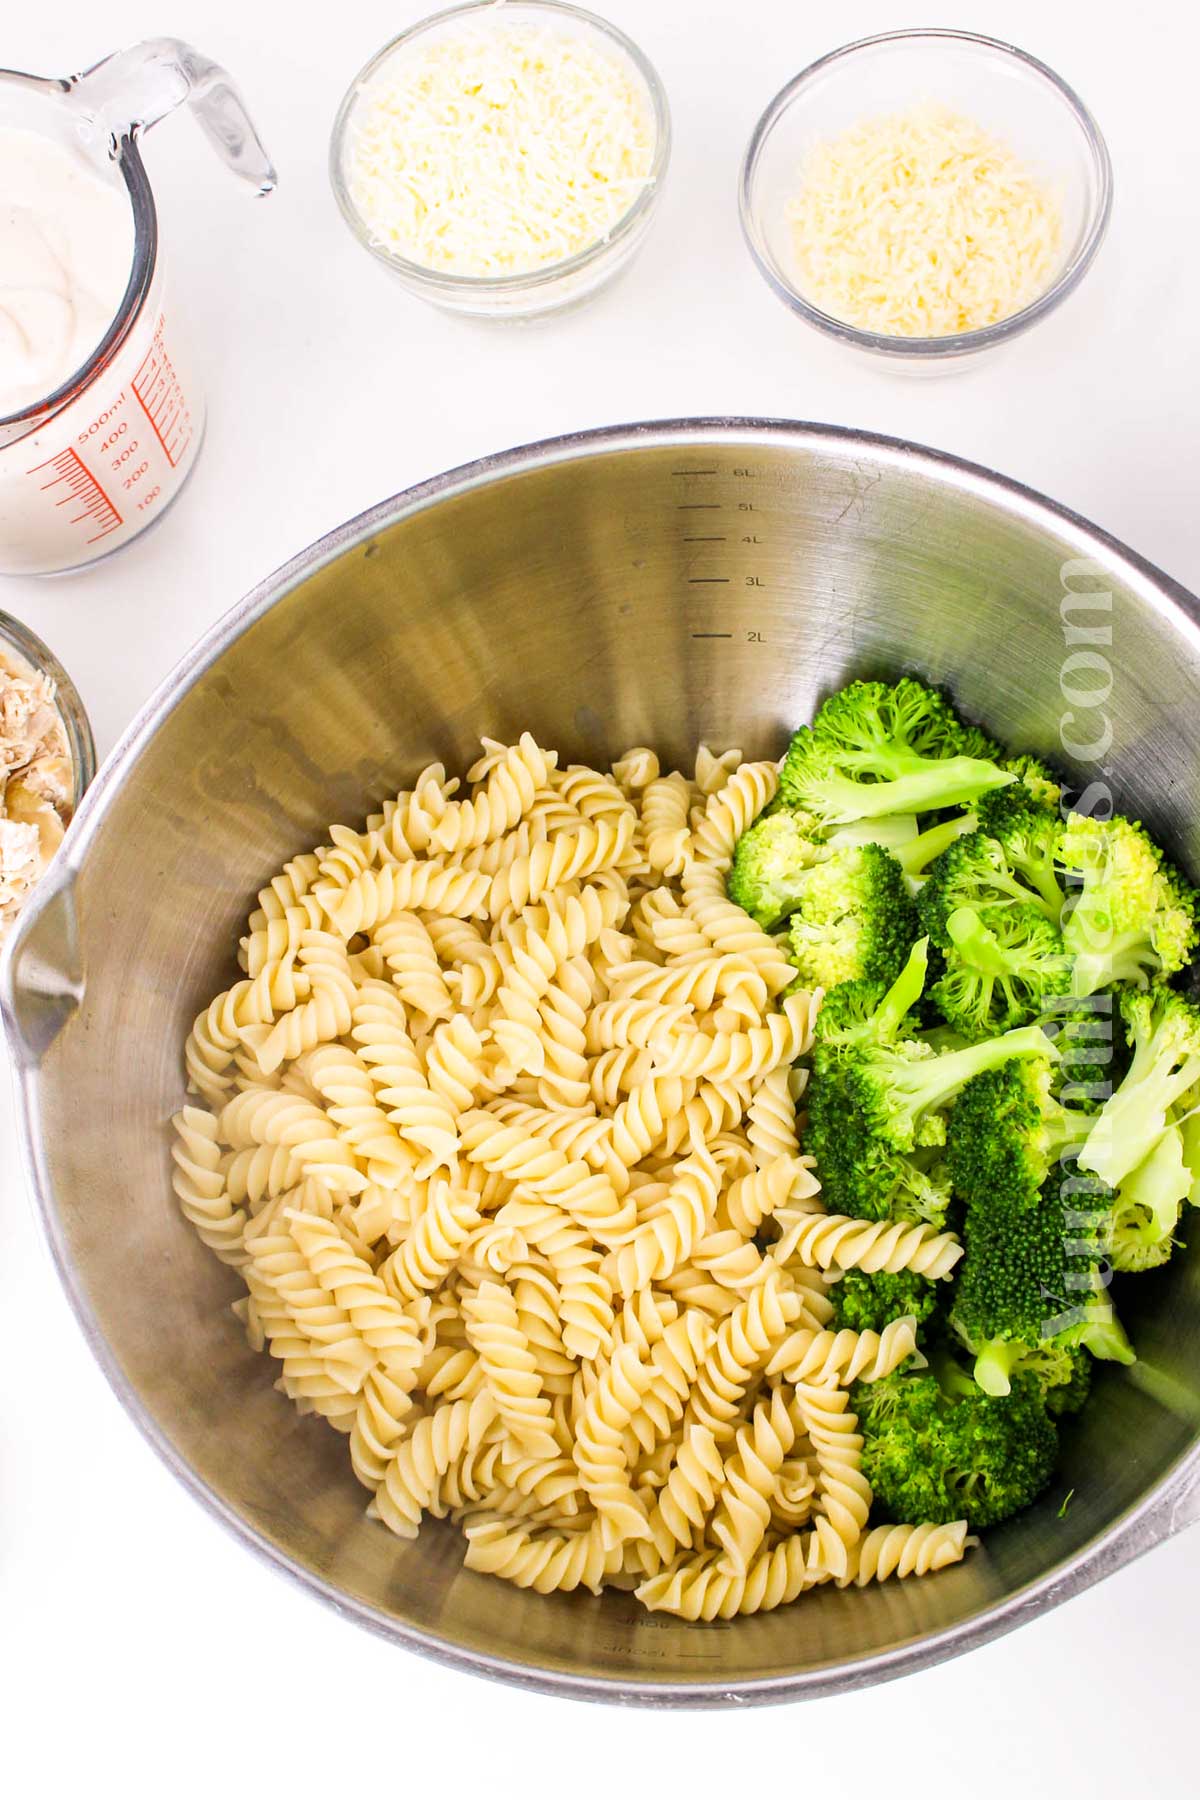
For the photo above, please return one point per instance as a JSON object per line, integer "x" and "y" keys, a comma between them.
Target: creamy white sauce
{"x": 66, "y": 249}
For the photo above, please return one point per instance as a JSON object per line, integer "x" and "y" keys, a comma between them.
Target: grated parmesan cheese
{"x": 921, "y": 224}
{"x": 498, "y": 148}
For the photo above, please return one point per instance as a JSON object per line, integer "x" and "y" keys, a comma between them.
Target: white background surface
{"x": 145, "y": 1650}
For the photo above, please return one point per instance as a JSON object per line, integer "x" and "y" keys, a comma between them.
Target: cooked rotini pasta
{"x": 499, "y": 1129}
{"x": 830, "y": 1241}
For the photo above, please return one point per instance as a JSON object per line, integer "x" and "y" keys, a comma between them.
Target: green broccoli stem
{"x": 1189, "y": 1132}
{"x": 1041, "y": 876}
{"x": 1105, "y": 1337}
{"x": 889, "y": 833}
{"x": 994, "y": 1365}
{"x": 951, "y": 1377}
{"x": 1127, "y": 957}
{"x": 977, "y": 945}
{"x": 926, "y": 785}
{"x": 926, "y": 1084}
{"x": 1150, "y": 1198}
{"x": 915, "y": 855}
{"x": 1130, "y": 1124}
{"x": 903, "y": 994}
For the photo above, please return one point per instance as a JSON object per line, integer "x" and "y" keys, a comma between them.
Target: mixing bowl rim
{"x": 1173, "y": 1501}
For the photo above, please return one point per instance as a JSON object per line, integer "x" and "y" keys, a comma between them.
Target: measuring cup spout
{"x": 135, "y": 88}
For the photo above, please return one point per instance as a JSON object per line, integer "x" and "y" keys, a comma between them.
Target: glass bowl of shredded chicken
{"x": 504, "y": 158}
{"x": 47, "y": 760}
{"x": 925, "y": 195}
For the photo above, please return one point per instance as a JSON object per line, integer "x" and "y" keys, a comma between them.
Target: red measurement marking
{"x": 161, "y": 399}
{"x": 83, "y": 490}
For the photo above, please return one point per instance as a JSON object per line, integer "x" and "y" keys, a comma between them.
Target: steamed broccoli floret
{"x": 853, "y": 919}
{"x": 1146, "y": 1207}
{"x": 876, "y": 1108}
{"x": 876, "y": 749}
{"x": 863, "y": 1302}
{"x": 857, "y": 1012}
{"x": 974, "y": 873}
{"x": 900, "y": 1092}
{"x": 1000, "y": 974}
{"x": 1028, "y": 831}
{"x": 1032, "y": 1279}
{"x": 770, "y": 864}
{"x": 1070, "y": 1393}
{"x": 1164, "y": 1037}
{"x": 1009, "y": 1128}
{"x": 1038, "y": 777}
{"x": 1089, "y": 1055}
{"x": 939, "y": 1449}
{"x": 1134, "y": 917}
{"x": 864, "y": 1176}
{"x": 1007, "y": 1132}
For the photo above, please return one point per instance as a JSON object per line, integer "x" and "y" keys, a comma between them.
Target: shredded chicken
{"x": 36, "y": 782}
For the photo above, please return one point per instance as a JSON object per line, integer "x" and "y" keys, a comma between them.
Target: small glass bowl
{"x": 1007, "y": 92}
{"x": 24, "y": 646}
{"x": 555, "y": 285}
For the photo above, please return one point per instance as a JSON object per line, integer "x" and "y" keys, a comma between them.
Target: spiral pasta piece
{"x": 509, "y": 1366}
{"x": 568, "y": 856}
{"x": 712, "y": 771}
{"x": 843, "y": 1500}
{"x": 665, "y": 805}
{"x": 588, "y": 1197}
{"x": 680, "y": 1514}
{"x": 674, "y": 1361}
{"x": 407, "y": 948}
{"x": 269, "y": 1116}
{"x": 200, "y": 1186}
{"x": 823, "y": 1357}
{"x": 903, "y": 1550}
{"x": 343, "y": 1083}
{"x": 384, "y": 1326}
{"x": 599, "y": 1448}
{"x": 748, "y": 1482}
{"x": 832, "y": 1241}
{"x": 587, "y": 1313}
{"x": 729, "y": 929}
{"x": 744, "y": 1343}
{"x": 635, "y": 769}
{"x": 732, "y": 809}
{"x": 564, "y": 1082}
{"x": 323, "y": 1017}
{"x": 453, "y": 1063}
{"x": 698, "y": 1588}
{"x": 376, "y": 894}
{"x": 434, "y": 1245}
{"x": 549, "y": 1562}
{"x": 737, "y": 1055}
{"x": 669, "y": 1237}
{"x": 513, "y": 779}
{"x": 771, "y": 1118}
{"x": 412, "y": 1481}
{"x": 754, "y": 1197}
{"x": 421, "y": 1115}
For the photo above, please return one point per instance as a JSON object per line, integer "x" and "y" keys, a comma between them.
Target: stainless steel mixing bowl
{"x": 668, "y": 583}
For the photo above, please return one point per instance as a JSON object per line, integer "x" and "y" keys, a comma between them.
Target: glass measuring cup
{"x": 88, "y": 467}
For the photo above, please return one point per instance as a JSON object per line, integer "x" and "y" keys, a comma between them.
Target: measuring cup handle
{"x": 135, "y": 88}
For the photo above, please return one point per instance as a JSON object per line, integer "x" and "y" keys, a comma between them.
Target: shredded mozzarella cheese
{"x": 921, "y": 224}
{"x": 498, "y": 148}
